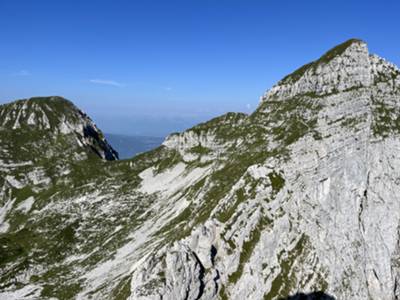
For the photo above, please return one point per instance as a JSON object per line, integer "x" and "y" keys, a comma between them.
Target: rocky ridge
{"x": 300, "y": 196}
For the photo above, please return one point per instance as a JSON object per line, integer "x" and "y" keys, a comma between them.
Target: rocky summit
{"x": 298, "y": 200}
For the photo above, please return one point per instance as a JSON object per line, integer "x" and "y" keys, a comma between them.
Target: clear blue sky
{"x": 151, "y": 67}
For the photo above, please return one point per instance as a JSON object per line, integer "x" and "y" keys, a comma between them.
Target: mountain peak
{"x": 343, "y": 67}
{"x": 350, "y": 44}
{"x": 39, "y": 112}
{"x": 56, "y": 118}
{"x": 348, "y": 47}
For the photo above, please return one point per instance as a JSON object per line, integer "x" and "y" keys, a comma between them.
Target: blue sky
{"x": 151, "y": 67}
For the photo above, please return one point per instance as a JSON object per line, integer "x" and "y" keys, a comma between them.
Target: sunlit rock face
{"x": 344, "y": 67}
{"x": 299, "y": 198}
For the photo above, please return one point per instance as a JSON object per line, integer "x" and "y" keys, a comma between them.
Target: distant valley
{"x": 128, "y": 146}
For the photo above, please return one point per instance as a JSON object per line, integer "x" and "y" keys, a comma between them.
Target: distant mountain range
{"x": 128, "y": 146}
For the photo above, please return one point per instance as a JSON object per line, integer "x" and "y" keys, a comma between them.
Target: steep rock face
{"x": 300, "y": 196}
